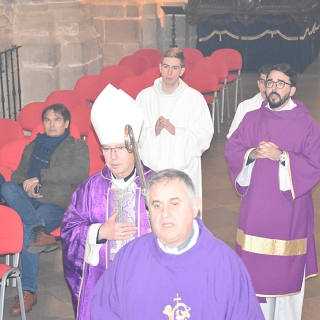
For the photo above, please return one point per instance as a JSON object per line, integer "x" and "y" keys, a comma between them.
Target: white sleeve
{"x": 284, "y": 176}
{"x": 92, "y": 249}
{"x": 244, "y": 177}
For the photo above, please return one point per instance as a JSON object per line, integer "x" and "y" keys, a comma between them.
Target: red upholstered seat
{"x": 56, "y": 232}
{"x": 80, "y": 116}
{"x": 152, "y": 73}
{"x": 206, "y": 82}
{"x": 11, "y": 153}
{"x": 154, "y": 55}
{"x": 6, "y": 172}
{"x": 30, "y": 115}
{"x": 132, "y": 86}
{"x": 191, "y": 56}
{"x": 96, "y": 159}
{"x": 233, "y": 60}
{"x": 11, "y": 240}
{"x": 137, "y": 63}
{"x": 69, "y": 98}
{"x": 9, "y": 130}
{"x": 115, "y": 74}
{"x": 220, "y": 68}
{"x": 90, "y": 86}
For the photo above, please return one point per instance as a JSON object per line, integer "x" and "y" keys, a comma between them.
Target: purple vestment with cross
{"x": 90, "y": 204}
{"x": 208, "y": 281}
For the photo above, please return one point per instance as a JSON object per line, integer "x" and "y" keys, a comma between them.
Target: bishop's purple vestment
{"x": 275, "y": 228}
{"x": 208, "y": 281}
{"x": 89, "y": 205}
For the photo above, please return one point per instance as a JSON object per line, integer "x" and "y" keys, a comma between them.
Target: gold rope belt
{"x": 273, "y": 247}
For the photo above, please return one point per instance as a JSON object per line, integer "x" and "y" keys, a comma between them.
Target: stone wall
{"x": 58, "y": 43}
{"x": 61, "y": 40}
{"x": 125, "y": 26}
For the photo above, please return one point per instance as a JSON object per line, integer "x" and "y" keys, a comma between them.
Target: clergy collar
{"x": 123, "y": 183}
{"x": 126, "y": 178}
{"x": 188, "y": 244}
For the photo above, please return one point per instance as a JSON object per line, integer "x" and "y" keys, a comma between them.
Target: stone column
{"x": 150, "y": 25}
{"x": 58, "y": 46}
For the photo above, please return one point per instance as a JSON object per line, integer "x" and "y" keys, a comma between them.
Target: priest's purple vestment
{"x": 88, "y": 206}
{"x": 275, "y": 229}
{"x": 208, "y": 281}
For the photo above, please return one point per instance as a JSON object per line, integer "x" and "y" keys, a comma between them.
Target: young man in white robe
{"x": 177, "y": 126}
{"x": 253, "y": 103}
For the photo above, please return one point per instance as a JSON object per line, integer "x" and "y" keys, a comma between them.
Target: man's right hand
{"x": 112, "y": 230}
{"x": 159, "y": 126}
{"x": 29, "y": 185}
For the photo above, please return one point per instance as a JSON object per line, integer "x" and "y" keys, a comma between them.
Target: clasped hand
{"x": 29, "y": 185}
{"x": 112, "y": 230}
{"x": 266, "y": 150}
{"x": 163, "y": 123}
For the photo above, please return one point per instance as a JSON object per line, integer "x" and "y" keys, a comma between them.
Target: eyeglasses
{"x": 279, "y": 84}
{"x": 262, "y": 81}
{"x": 118, "y": 150}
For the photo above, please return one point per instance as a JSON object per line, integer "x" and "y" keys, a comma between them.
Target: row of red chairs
{"x": 209, "y": 75}
{"x": 225, "y": 64}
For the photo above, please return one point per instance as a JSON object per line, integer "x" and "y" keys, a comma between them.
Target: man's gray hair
{"x": 168, "y": 175}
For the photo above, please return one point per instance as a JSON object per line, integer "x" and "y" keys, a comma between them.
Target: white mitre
{"x": 111, "y": 112}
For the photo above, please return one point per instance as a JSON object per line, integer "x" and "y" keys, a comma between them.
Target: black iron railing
{"x": 10, "y": 89}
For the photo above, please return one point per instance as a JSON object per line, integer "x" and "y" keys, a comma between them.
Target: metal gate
{"x": 10, "y": 89}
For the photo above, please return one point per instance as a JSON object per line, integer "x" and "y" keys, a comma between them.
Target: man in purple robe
{"x": 108, "y": 209}
{"x": 274, "y": 161}
{"x": 179, "y": 271}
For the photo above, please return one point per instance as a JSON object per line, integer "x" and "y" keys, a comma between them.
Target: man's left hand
{"x": 169, "y": 126}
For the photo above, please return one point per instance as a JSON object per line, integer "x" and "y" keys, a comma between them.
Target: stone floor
{"x": 220, "y": 204}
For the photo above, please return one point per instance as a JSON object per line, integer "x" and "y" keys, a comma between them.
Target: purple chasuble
{"x": 90, "y": 204}
{"x": 208, "y": 281}
{"x": 275, "y": 228}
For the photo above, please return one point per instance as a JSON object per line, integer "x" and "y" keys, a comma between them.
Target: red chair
{"x": 154, "y": 55}
{"x": 11, "y": 153}
{"x": 152, "y": 73}
{"x": 137, "y": 63}
{"x": 56, "y": 233}
{"x": 220, "y": 68}
{"x": 208, "y": 84}
{"x": 69, "y": 98}
{"x": 92, "y": 138}
{"x": 11, "y": 239}
{"x": 132, "y": 86}
{"x": 39, "y": 129}
{"x": 97, "y": 162}
{"x": 80, "y": 116}
{"x": 191, "y": 56}
{"x": 6, "y": 172}
{"x": 9, "y": 130}
{"x": 233, "y": 59}
{"x": 116, "y": 73}
{"x": 90, "y": 86}
{"x": 30, "y": 115}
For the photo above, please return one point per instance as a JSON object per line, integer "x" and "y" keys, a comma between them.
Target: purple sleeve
{"x": 74, "y": 229}
{"x": 304, "y": 165}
